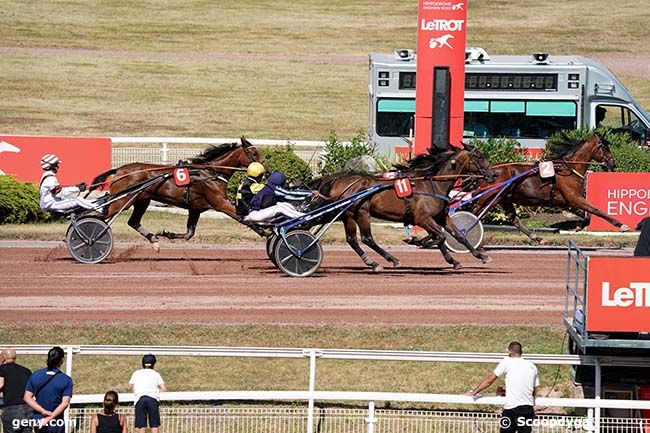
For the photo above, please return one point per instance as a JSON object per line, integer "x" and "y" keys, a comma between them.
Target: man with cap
{"x": 147, "y": 385}
{"x": 54, "y": 197}
{"x": 13, "y": 379}
{"x": 643, "y": 244}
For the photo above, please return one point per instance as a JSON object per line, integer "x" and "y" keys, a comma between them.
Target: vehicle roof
{"x": 514, "y": 60}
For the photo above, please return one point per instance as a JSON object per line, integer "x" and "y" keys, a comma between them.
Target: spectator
{"x": 521, "y": 383}
{"x": 53, "y": 196}
{"x": 265, "y": 204}
{"x": 601, "y": 113}
{"x": 48, "y": 392}
{"x": 108, "y": 421}
{"x": 147, "y": 385}
{"x": 643, "y": 244}
{"x": 13, "y": 379}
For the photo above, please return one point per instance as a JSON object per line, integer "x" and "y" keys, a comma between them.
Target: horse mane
{"x": 213, "y": 152}
{"x": 429, "y": 163}
{"x": 562, "y": 145}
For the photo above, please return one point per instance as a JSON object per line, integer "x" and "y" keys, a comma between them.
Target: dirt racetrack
{"x": 238, "y": 284}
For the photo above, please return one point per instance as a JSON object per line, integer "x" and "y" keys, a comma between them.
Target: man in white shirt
{"x": 54, "y": 197}
{"x": 147, "y": 385}
{"x": 521, "y": 383}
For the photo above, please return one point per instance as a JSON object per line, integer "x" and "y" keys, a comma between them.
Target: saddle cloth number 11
{"x": 403, "y": 187}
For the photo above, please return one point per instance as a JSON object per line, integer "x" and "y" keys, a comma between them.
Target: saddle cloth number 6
{"x": 403, "y": 187}
{"x": 182, "y": 176}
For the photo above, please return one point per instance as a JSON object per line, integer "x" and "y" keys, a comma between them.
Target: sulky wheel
{"x": 463, "y": 221}
{"x": 270, "y": 247}
{"x": 297, "y": 241}
{"x": 89, "y": 240}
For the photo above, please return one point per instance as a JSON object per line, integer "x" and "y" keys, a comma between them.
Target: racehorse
{"x": 566, "y": 190}
{"x": 209, "y": 174}
{"x": 431, "y": 178}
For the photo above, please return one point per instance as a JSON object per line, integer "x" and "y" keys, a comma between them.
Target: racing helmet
{"x": 277, "y": 178}
{"x": 49, "y": 160}
{"x": 255, "y": 169}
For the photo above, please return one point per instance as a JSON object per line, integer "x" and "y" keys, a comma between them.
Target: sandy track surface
{"x": 239, "y": 285}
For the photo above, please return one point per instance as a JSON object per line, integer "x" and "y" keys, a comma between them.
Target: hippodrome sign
{"x": 441, "y": 43}
{"x": 82, "y": 158}
{"x": 618, "y": 294}
{"x": 624, "y": 196}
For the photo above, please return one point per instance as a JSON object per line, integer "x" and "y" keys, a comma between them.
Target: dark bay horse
{"x": 565, "y": 191}
{"x": 431, "y": 177}
{"x": 209, "y": 174}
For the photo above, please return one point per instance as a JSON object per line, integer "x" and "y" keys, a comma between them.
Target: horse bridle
{"x": 482, "y": 170}
{"x": 244, "y": 148}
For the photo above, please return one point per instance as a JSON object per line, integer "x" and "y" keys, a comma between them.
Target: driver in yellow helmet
{"x": 251, "y": 185}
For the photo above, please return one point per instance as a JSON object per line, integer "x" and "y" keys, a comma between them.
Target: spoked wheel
{"x": 89, "y": 240}
{"x": 297, "y": 241}
{"x": 469, "y": 226}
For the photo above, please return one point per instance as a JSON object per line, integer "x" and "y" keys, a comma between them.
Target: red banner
{"x": 618, "y": 294}
{"x": 82, "y": 158}
{"x": 441, "y": 42}
{"x": 623, "y": 196}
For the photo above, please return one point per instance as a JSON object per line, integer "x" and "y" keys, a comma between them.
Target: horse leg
{"x": 583, "y": 204}
{"x": 363, "y": 221}
{"x": 453, "y": 230}
{"x": 139, "y": 208}
{"x": 350, "y": 227}
{"x": 192, "y": 221}
{"x": 437, "y": 237}
{"x": 511, "y": 213}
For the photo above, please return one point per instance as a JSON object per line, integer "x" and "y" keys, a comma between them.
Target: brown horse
{"x": 565, "y": 191}
{"x": 209, "y": 174}
{"x": 431, "y": 178}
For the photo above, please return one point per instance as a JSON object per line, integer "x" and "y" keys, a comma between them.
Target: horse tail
{"x": 100, "y": 179}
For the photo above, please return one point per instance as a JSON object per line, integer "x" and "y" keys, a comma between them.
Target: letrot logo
{"x": 7, "y": 147}
{"x": 637, "y": 295}
{"x": 443, "y": 25}
{"x": 457, "y": 7}
{"x": 442, "y": 41}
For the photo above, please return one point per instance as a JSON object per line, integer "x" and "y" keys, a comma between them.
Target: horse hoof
{"x": 458, "y": 266}
{"x": 396, "y": 263}
{"x": 486, "y": 259}
{"x": 539, "y": 241}
{"x": 376, "y": 267}
{"x": 625, "y": 228}
{"x": 156, "y": 246}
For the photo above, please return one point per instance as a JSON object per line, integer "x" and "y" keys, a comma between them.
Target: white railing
{"x": 308, "y": 151}
{"x": 311, "y": 396}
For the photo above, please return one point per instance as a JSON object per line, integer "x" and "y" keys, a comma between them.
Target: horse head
{"x": 603, "y": 153}
{"x": 473, "y": 161}
{"x": 248, "y": 153}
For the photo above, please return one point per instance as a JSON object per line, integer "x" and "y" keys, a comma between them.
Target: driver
{"x": 251, "y": 185}
{"x": 54, "y": 197}
{"x": 265, "y": 204}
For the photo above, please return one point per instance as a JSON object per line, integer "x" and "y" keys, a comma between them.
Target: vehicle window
{"x": 518, "y": 118}
{"x": 395, "y": 117}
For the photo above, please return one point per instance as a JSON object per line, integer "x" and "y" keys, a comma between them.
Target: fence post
{"x": 312, "y": 387}
{"x": 165, "y": 154}
{"x": 371, "y": 420}
{"x": 68, "y": 371}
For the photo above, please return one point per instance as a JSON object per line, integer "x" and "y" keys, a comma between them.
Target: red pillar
{"x": 441, "y": 43}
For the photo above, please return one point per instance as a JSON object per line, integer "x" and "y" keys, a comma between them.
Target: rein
{"x": 172, "y": 167}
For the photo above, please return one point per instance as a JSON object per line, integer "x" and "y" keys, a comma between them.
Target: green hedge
{"x": 338, "y": 154}
{"x": 500, "y": 150}
{"x": 19, "y": 202}
{"x": 278, "y": 158}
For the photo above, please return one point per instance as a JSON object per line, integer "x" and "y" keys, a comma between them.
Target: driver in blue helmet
{"x": 271, "y": 201}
